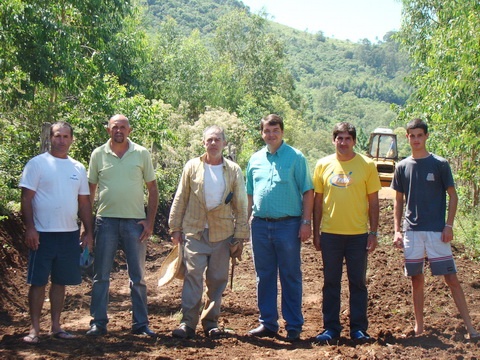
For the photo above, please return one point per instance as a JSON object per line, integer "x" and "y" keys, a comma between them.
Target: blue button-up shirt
{"x": 278, "y": 181}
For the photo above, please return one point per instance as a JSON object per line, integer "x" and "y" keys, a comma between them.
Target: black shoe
{"x": 215, "y": 333}
{"x": 293, "y": 335}
{"x": 262, "y": 331}
{"x": 183, "y": 332}
{"x": 144, "y": 330}
{"x": 96, "y": 330}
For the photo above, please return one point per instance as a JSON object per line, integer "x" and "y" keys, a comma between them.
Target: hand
{"x": 372, "y": 243}
{"x": 32, "y": 238}
{"x": 86, "y": 239}
{"x": 398, "y": 240}
{"x": 447, "y": 234}
{"x": 176, "y": 237}
{"x": 305, "y": 232}
{"x": 236, "y": 249}
{"x": 147, "y": 230}
{"x": 317, "y": 242}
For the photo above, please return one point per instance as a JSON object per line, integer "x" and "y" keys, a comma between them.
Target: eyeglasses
{"x": 274, "y": 132}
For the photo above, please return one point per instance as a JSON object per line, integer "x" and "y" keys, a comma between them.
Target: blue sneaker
{"x": 326, "y": 337}
{"x": 360, "y": 335}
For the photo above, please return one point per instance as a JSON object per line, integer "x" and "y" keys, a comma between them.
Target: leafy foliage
{"x": 442, "y": 39}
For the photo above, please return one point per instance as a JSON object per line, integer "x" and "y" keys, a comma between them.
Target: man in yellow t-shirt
{"x": 346, "y": 210}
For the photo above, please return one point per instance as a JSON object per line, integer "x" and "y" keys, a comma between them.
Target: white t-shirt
{"x": 214, "y": 183}
{"x": 57, "y": 183}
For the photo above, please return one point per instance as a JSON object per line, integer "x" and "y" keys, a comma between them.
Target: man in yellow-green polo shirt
{"x": 118, "y": 170}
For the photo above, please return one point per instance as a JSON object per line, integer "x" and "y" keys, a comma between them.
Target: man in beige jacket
{"x": 208, "y": 214}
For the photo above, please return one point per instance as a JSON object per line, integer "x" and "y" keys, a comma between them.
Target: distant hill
{"x": 336, "y": 80}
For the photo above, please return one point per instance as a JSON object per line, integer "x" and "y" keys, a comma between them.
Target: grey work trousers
{"x": 212, "y": 259}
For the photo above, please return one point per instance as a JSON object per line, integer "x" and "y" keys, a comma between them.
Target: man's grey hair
{"x": 216, "y": 128}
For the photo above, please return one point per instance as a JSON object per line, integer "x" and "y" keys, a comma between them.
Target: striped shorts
{"x": 439, "y": 253}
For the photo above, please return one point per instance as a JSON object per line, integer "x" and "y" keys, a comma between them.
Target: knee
{"x": 452, "y": 281}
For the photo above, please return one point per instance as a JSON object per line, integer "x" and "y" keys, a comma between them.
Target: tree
{"x": 442, "y": 38}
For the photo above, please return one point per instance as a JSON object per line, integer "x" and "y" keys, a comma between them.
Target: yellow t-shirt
{"x": 345, "y": 186}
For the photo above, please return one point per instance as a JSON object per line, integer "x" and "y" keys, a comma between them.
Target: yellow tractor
{"x": 383, "y": 150}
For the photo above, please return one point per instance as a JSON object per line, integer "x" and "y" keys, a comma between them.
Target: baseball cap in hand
{"x": 86, "y": 258}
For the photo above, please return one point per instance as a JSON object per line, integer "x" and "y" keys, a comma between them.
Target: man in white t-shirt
{"x": 54, "y": 190}
{"x": 209, "y": 212}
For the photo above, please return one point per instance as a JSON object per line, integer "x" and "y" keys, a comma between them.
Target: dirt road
{"x": 390, "y": 313}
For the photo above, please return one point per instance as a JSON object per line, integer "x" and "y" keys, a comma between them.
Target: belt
{"x": 277, "y": 219}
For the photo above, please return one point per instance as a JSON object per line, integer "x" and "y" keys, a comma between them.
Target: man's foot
{"x": 62, "y": 334}
{"x": 360, "y": 335}
{"x": 326, "y": 337}
{"x": 215, "y": 333}
{"x": 31, "y": 339}
{"x": 262, "y": 331}
{"x": 293, "y": 335}
{"x": 96, "y": 330}
{"x": 144, "y": 330}
{"x": 474, "y": 336}
{"x": 183, "y": 332}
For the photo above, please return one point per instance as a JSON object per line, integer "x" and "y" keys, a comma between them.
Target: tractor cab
{"x": 383, "y": 150}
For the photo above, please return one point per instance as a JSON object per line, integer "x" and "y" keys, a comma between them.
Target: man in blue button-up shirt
{"x": 280, "y": 197}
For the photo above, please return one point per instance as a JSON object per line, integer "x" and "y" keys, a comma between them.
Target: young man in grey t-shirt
{"x": 423, "y": 181}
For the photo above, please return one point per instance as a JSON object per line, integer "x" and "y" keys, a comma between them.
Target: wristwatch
{"x": 374, "y": 233}
{"x": 306, "y": 222}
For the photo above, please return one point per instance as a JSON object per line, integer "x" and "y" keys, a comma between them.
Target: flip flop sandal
{"x": 475, "y": 336}
{"x": 64, "y": 335}
{"x": 31, "y": 339}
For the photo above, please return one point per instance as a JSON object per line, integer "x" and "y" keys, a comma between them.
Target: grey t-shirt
{"x": 424, "y": 183}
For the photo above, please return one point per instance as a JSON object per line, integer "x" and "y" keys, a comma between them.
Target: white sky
{"x": 352, "y": 20}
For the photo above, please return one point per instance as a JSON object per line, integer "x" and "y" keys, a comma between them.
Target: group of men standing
{"x": 210, "y": 218}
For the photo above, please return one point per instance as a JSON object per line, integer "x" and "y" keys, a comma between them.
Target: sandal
{"x": 62, "y": 334}
{"x": 475, "y": 336}
{"x": 31, "y": 339}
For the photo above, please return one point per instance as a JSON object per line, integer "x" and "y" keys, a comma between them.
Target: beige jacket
{"x": 189, "y": 213}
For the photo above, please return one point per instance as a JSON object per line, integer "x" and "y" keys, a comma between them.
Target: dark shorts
{"x": 58, "y": 256}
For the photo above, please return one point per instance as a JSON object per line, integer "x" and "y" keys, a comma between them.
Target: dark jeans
{"x": 352, "y": 248}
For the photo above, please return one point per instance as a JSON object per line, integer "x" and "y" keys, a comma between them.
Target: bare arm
{"x": 317, "y": 220}
{"x": 397, "y": 219}
{"x": 447, "y": 233}
{"x": 93, "y": 190}
{"x": 373, "y": 215}
{"x": 31, "y": 234}
{"x": 306, "y": 230}
{"x": 152, "y": 206}
{"x": 85, "y": 214}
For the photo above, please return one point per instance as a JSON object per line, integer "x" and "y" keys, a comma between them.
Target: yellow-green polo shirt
{"x": 120, "y": 181}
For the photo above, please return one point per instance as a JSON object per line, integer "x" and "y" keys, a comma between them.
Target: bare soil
{"x": 390, "y": 311}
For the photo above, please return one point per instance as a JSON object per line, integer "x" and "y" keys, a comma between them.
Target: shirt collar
{"x": 202, "y": 159}
{"x": 108, "y": 148}
{"x": 280, "y": 149}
